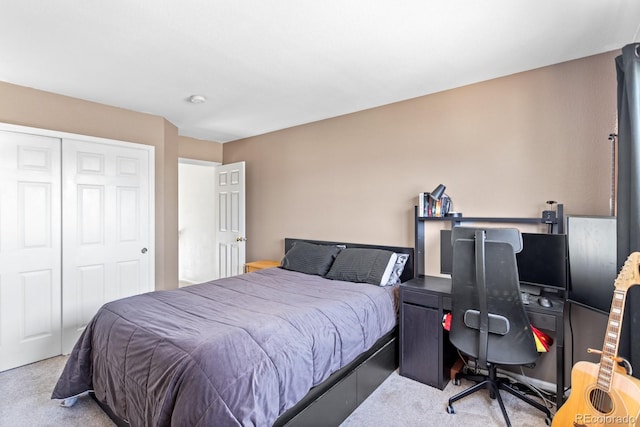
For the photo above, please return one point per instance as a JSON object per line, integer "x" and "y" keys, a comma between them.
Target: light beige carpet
{"x": 25, "y": 400}
{"x": 400, "y": 401}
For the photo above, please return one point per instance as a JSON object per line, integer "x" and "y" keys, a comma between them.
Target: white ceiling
{"x": 265, "y": 65}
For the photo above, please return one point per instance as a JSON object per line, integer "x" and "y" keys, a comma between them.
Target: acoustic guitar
{"x": 602, "y": 394}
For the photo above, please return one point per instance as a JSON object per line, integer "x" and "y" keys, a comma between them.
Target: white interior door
{"x": 230, "y": 230}
{"x": 108, "y": 226}
{"x": 30, "y": 266}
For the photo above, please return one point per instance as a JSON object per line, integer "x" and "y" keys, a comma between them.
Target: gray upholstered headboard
{"x": 407, "y": 273}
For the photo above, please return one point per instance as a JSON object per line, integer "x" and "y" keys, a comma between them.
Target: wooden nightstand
{"x": 259, "y": 265}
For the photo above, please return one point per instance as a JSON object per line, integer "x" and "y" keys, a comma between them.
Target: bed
{"x": 298, "y": 345}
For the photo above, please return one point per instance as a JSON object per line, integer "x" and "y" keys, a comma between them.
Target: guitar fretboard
{"x": 611, "y": 340}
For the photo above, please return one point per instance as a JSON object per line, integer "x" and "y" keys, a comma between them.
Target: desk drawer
{"x": 420, "y": 298}
{"x": 542, "y": 321}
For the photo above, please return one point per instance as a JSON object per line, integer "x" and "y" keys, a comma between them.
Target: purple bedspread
{"x": 235, "y": 351}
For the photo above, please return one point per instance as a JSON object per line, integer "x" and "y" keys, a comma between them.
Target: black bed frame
{"x": 331, "y": 402}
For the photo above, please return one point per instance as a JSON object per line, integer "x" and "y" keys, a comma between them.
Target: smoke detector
{"x": 197, "y": 99}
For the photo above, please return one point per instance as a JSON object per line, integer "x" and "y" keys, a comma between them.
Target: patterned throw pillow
{"x": 398, "y": 268}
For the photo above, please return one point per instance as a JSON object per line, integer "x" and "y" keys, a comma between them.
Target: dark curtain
{"x": 628, "y": 197}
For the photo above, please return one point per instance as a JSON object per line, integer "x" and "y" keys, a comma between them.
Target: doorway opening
{"x": 197, "y": 251}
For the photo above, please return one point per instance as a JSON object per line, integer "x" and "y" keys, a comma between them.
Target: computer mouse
{"x": 544, "y": 301}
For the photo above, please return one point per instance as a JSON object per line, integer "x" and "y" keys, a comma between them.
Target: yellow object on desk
{"x": 259, "y": 265}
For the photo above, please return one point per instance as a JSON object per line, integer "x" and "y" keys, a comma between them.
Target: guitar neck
{"x": 629, "y": 276}
{"x": 611, "y": 340}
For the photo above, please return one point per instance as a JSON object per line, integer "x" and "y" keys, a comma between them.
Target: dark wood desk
{"x": 424, "y": 344}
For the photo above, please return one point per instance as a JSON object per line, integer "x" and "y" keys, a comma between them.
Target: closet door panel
{"x": 107, "y": 239}
{"x": 91, "y": 292}
{"x": 30, "y": 241}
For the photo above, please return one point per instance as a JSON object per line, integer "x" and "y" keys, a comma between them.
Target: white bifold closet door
{"x": 30, "y": 262}
{"x": 76, "y": 231}
{"x": 106, "y": 229}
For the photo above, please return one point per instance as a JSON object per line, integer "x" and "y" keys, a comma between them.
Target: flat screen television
{"x": 593, "y": 261}
{"x": 541, "y": 263}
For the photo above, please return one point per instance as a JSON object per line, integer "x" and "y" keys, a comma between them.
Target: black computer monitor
{"x": 541, "y": 263}
{"x": 592, "y": 260}
{"x": 543, "y": 260}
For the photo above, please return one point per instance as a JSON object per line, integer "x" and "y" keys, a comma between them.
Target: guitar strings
{"x": 600, "y": 398}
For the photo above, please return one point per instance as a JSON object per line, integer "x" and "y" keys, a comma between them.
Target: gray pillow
{"x": 310, "y": 258}
{"x": 363, "y": 266}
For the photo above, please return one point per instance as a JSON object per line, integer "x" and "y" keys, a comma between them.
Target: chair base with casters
{"x": 494, "y": 385}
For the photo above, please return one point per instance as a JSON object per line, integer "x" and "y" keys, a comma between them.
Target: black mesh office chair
{"x": 488, "y": 320}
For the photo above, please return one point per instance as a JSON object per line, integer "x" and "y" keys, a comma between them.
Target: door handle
{"x": 241, "y": 239}
{"x": 144, "y": 250}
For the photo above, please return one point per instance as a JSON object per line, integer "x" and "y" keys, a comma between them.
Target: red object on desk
{"x": 543, "y": 341}
{"x": 446, "y": 322}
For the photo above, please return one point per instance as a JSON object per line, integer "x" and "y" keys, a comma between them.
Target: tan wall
{"x": 29, "y": 107}
{"x": 191, "y": 148}
{"x": 502, "y": 147}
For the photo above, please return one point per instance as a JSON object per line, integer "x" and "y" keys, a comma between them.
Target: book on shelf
{"x": 421, "y": 199}
{"x": 433, "y": 208}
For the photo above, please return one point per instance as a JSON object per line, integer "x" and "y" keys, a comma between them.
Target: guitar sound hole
{"x": 601, "y": 401}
